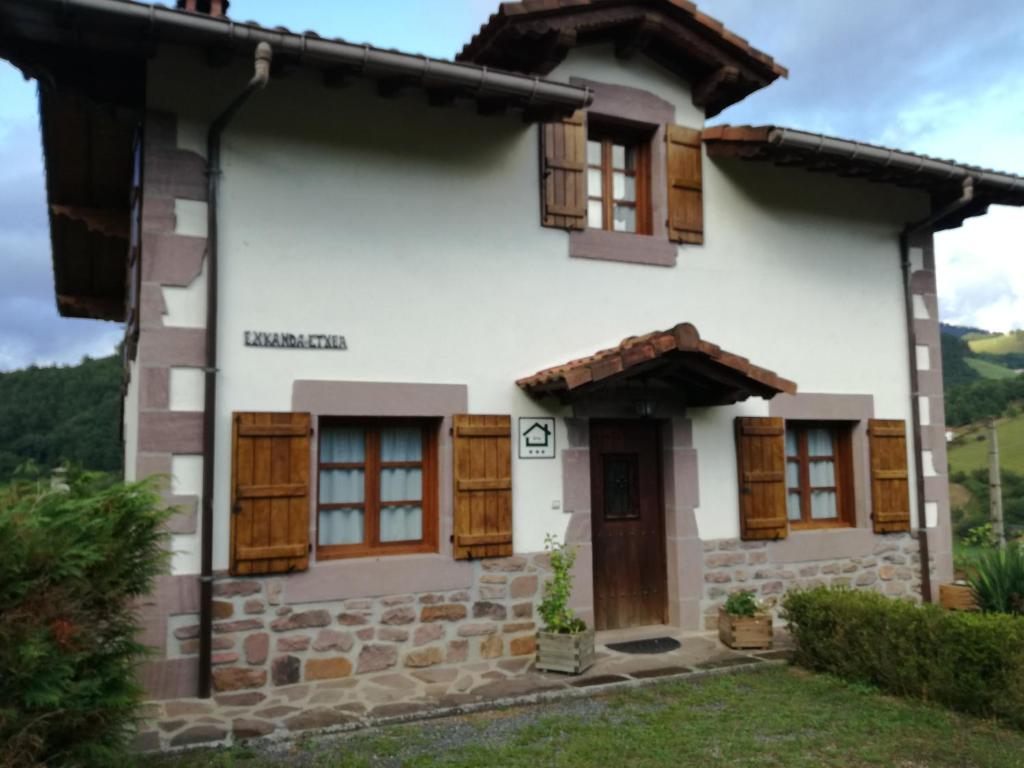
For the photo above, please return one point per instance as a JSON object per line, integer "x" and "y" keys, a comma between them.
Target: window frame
{"x": 607, "y": 135}
{"x": 842, "y": 459}
{"x": 371, "y": 465}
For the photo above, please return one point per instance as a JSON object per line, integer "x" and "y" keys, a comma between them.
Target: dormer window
{"x": 618, "y": 182}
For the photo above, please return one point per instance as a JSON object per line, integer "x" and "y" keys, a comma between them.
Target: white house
{"x": 352, "y": 287}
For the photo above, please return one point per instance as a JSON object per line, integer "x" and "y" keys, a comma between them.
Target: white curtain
{"x": 819, "y": 442}
{"x": 823, "y": 505}
{"x": 339, "y": 486}
{"x": 405, "y": 522}
{"x": 791, "y": 444}
{"x": 793, "y": 506}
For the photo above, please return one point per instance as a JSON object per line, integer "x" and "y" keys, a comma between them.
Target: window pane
{"x": 792, "y": 474}
{"x": 595, "y": 214}
{"x": 620, "y": 486}
{"x": 819, "y": 442}
{"x": 623, "y": 187}
{"x": 401, "y": 484}
{"x": 793, "y": 506}
{"x": 341, "y": 486}
{"x": 593, "y": 153}
{"x": 401, "y": 523}
{"x": 618, "y": 156}
{"x": 401, "y": 444}
{"x": 792, "y": 449}
{"x": 341, "y": 526}
{"x": 823, "y": 473}
{"x": 342, "y": 444}
{"x": 625, "y": 218}
{"x": 823, "y": 505}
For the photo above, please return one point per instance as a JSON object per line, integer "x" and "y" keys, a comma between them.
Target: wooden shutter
{"x": 685, "y": 195}
{"x": 890, "y": 484}
{"x": 563, "y": 173}
{"x": 761, "y": 460}
{"x": 483, "y": 486}
{"x": 270, "y": 493}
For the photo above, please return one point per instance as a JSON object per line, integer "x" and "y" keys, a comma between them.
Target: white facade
{"x": 414, "y": 232}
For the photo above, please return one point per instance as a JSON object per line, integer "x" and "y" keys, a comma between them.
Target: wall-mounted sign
{"x": 536, "y": 437}
{"x": 294, "y": 340}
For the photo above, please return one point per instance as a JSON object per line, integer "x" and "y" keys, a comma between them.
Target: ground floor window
{"x": 377, "y": 487}
{"x": 818, "y": 475}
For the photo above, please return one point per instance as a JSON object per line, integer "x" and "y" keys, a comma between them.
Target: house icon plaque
{"x": 536, "y": 437}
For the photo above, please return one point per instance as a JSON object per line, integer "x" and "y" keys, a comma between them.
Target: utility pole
{"x": 995, "y": 486}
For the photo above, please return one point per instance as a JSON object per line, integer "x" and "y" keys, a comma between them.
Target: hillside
{"x": 970, "y": 450}
{"x": 57, "y": 413}
{"x": 1011, "y": 343}
{"x": 989, "y": 370}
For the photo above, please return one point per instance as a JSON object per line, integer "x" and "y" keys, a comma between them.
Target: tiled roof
{"x": 677, "y": 355}
{"x": 535, "y": 35}
{"x": 943, "y": 179}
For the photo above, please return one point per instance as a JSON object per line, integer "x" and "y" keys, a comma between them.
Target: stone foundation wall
{"x": 731, "y": 565}
{"x": 260, "y": 642}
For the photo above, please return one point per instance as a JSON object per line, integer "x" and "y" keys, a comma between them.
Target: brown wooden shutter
{"x": 685, "y": 195}
{"x": 761, "y": 460}
{"x": 890, "y": 484}
{"x": 483, "y": 486}
{"x": 563, "y": 173}
{"x": 270, "y": 493}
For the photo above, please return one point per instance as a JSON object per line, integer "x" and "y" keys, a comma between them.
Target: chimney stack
{"x": 217, "y": 8}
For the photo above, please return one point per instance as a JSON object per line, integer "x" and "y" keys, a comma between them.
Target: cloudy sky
{"x": 943, "y": 77}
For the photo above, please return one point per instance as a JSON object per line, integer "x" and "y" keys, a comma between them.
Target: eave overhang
{"x": 535, "y": 36}
{"x": 943, "y": 180}
{"x": 675, "y": 362}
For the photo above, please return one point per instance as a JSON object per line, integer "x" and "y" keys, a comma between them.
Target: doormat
{"x": 654, "y": 645}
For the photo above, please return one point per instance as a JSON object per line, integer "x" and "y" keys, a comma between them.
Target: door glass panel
{"x": 620, "y": 487}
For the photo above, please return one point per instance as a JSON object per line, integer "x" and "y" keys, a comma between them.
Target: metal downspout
{"x": 909, "y": 231}
{"x": 259, "y": 80}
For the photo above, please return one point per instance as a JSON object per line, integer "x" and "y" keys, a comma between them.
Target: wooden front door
{"x": 628, "y": 524}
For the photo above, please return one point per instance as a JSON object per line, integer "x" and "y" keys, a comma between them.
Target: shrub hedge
{"x": 972, "y": 662}
{"x": 72, "y": 563}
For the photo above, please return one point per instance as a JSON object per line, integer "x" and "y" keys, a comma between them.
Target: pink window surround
{"x": 392, "y": 574}
{"x": 622, "y": 105}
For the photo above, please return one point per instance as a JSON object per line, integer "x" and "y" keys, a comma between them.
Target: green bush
{"x": 73, "y": 562}
{"x": 997, "y": 580}
{"x": 742, "y": 604}
{"x": 554, "y": 608}
{"x": 971, "y": 662}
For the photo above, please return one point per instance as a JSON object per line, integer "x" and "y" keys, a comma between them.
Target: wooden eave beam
{"x": 108, "y": 222}
{"x": 704, "y": 91}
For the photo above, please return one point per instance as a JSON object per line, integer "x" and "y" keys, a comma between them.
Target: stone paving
{"x": 355, "y": 702}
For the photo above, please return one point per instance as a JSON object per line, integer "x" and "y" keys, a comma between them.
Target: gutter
{"x": 909, "y": 232}
{"x": 907, "y": 161}
{"x": 361, "y": 59}
{"x": 259, "y": 81}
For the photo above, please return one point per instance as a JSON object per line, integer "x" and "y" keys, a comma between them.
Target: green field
{"x": 775, "y": 717}
{"x": 989, "y": 370}
{"x": 969, "y": 453}
{"x": 1002, "y": 344}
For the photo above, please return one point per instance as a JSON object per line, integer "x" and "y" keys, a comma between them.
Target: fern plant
{"x": 998, "y": 580}
{"x": 554, "y": 607}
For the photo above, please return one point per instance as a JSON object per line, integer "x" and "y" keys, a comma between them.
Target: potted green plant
{"x": 565, "y": 644}
{"x": 745, "y": 623}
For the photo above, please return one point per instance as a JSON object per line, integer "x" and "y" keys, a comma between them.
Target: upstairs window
{"x": 377, "y": 488}
{"x": 818, "y": 475}
{"x": 618, "y": 182}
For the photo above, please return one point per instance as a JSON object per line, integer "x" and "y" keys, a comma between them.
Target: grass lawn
{"x": 989, "y": 370}
{"x": 969, "y": 453}
{"x": 998, "y": 344}
{"x": 772, "y": 717}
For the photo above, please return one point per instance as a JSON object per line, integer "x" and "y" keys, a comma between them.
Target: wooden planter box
{"x": 957, "y": 597}
{"x": 745, "y": 632}
{"x": 565, "y": 653}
